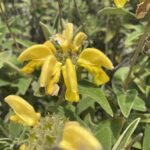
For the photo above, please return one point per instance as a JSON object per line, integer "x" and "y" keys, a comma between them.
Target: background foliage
{"x": 111, "y": 111}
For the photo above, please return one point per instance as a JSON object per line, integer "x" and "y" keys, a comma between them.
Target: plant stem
{"x": 60, "y": 2}
{"x": 135, "y": 56}
{"x": 78, "y": 12}
{"x": 141, "y": 69}
{"x": 3, "y": 15}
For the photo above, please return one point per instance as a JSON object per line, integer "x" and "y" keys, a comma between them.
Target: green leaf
{"x": 25, "y": 43}
{"x": 148, "y": 91}
{"x": 121, "y": 74}
{"x": 125, "y": 136}
{"x": 110, "y": 35}
{"x": 45, "y": 30}
{"x": 146, "y": 143}
{"x": 115, "y": 11}
{"x": 23, "y": 85}
{"x": 137, "y": 145}
{"x": 84, "y": 104}
{"x": 139, "y": 105}
{"x": 95, "y": 93}
{"x": 4, "y": 56}
{"x": 126, "y": 101}
{"x": 88, "y": 119}
{"x": 141, "y": 85}
{"x": 36, "y": 89}
{"x": 132, "y": 37}
{"x": 104, "y": 136}
{"x": 4, "y": 83}
{"x": 15, "y": 130}
{"x": 114, "y": 125}
{"x": 103, "y": 133}
{"x": 3, "y": 29}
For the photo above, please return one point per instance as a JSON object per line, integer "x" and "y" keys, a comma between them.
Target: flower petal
{"x": 31, "y": 66}
{"x": 93, "y": 56}
{"x": 35, "y": 52}
{"x": 23, "y": 110}
{"x": 52, "y": 87}
{"x": 70, "y": 80}
{"x": 67, "y": 35}
{"x": 68, "y": 32}
{"x": 65, "y": 145}
{"x": 50, "y": 70}
{"x": 120, "y": 3}
{"x": 50, "y": 45}
{"x": 17, "y": 119}
{"x": 78, "y": 40}
{"x": 78, "y": 138}
{"x": 100, "y": 77}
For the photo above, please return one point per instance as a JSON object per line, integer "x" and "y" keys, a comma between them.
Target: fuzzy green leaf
{"x": 121, "y": 74}
{"x": 104, "y": 136}
{"x": 139, "y": 104}
{"x": 146, "y": 143}
{"x": 126, "y": 101}
{"x": 45, "y": 30}
{"x": 115, "y": 11}
{"x": 84, "y": 104}
{"x": 4, "y": 56}
{"x": 23, "y": 85}
{"x": 4, "y": 83}
{"x": 96, "y": 94}
{"x": 125, "y": 136}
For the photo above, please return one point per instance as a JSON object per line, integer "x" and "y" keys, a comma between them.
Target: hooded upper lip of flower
{"x": 76, "y": 137}
{"x": 54, "y": 58}
{"x": 24, "y": 112}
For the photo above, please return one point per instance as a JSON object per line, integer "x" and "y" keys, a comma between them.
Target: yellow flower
{"x": 66, "y": 40}
{"x": 70, "y": 79}
{"x": 24, "y": 112}
{"x": 50, "y": 74}
{"x": 36, "y": 55}
{"x": 59, "y": 55}
{"x": 94, "y": 64}
{"x": 120, "y": 3}
{"x": 76, "y": 137}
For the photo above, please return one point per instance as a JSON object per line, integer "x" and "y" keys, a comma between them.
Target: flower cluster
{"x": 61, "y": 55}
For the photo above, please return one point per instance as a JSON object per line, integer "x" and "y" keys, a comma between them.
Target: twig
{"x": 3, "y": 15}
{"x": 69, "y": 10}
{"x": 136, "y": 54}
{"x": 78, "y": 12}
{"x": 141, "y": 69}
